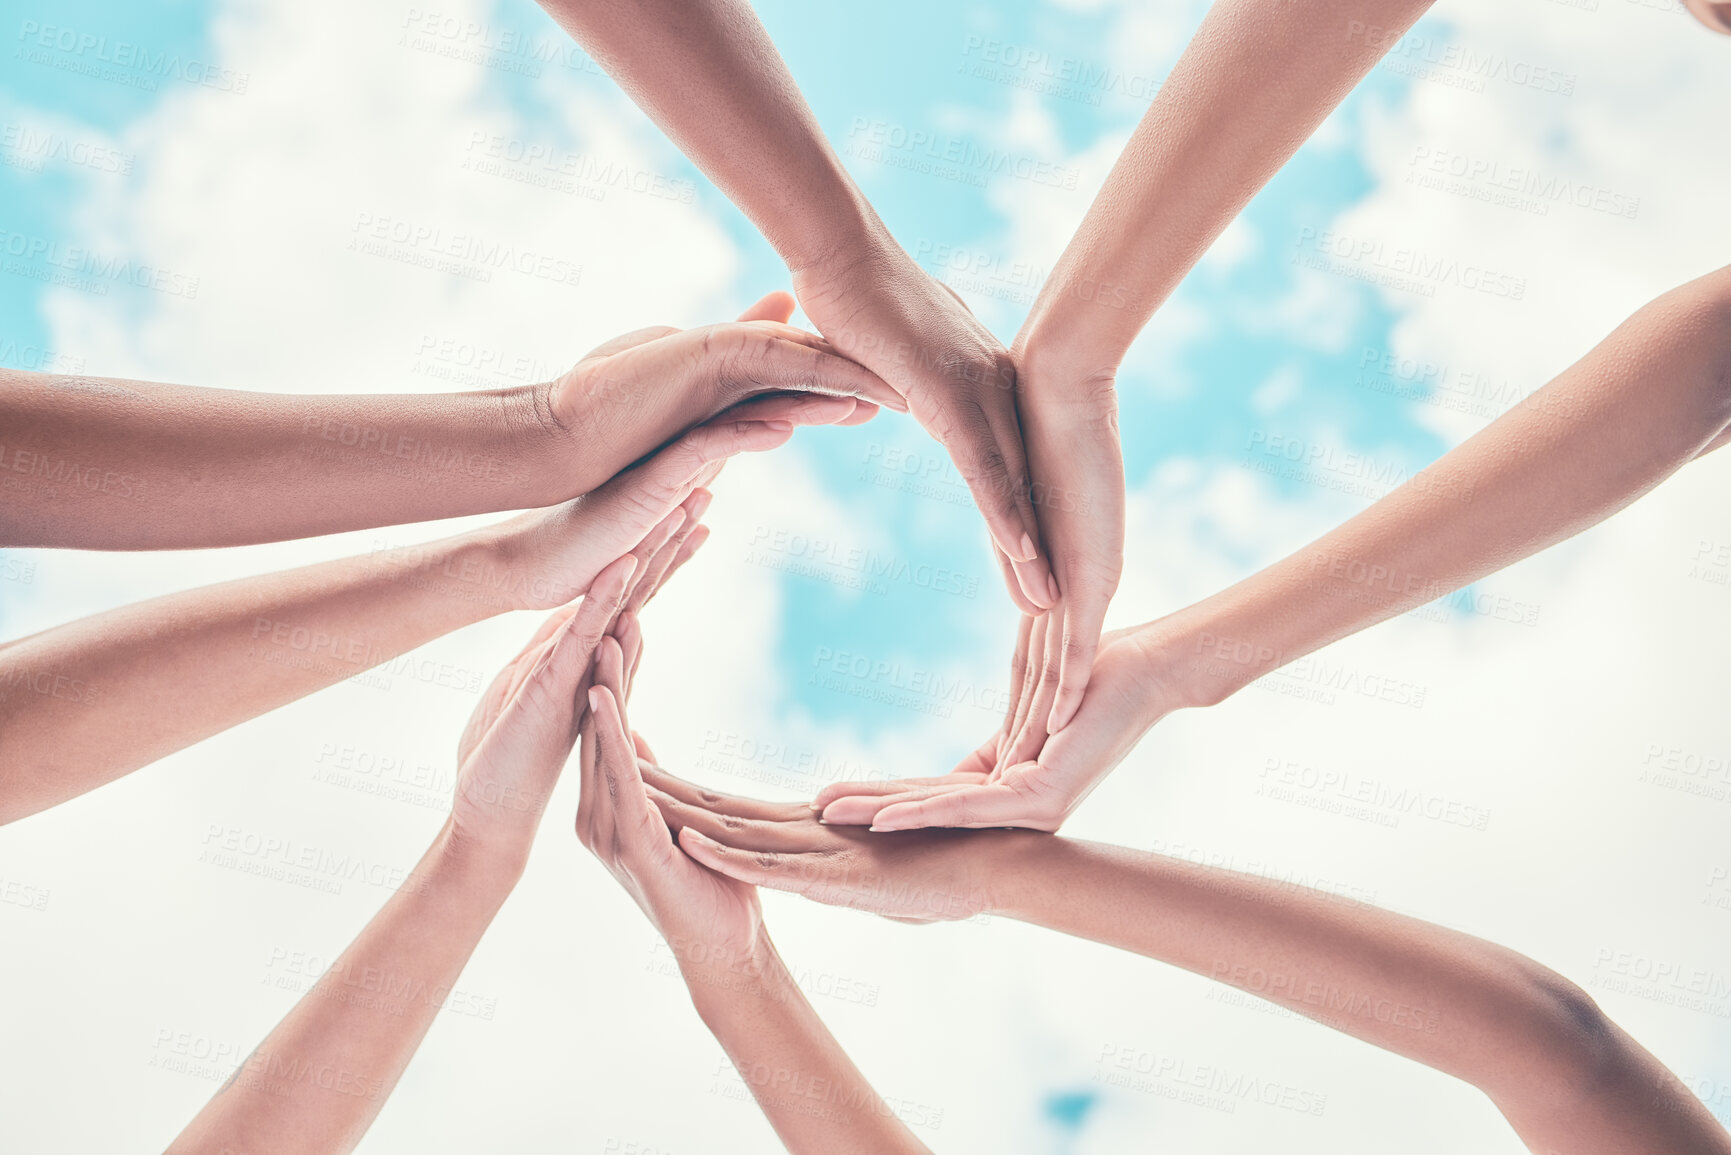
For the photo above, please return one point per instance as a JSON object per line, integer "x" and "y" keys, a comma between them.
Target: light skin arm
{"x": 320, "y": 1078}
{"x": 88, "y": 702}
{"x": 707, "y": 73}
{"x": 1255, "y": 81}
{"x": 1566, "y": 1077}
{"x": 1651, "y": 397}
{"x": 101, "y": 463}
{"x": 816, "y": 1099}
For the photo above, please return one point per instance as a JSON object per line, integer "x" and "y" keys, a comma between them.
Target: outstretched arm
{"x": 1651, "y": 397}
{"x": 814, "y": 1097}
{"x": 1566, "y": 1077}
{"x": 1253, "y": 84}
{"x": 707, "y": 73}
{"x": 320, "y": 1078}
{"x": 85, "y": 703}
{"x": 97, "y": 463}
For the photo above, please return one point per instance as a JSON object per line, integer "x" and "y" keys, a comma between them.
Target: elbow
{"x": 1565, "y": 1050}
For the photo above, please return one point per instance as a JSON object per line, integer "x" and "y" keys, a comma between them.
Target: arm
{"x": 1255, "y": 81}
{"x": 1651, "y": 397}
{"x": 320, "y": 1078}
{"x": 94, "y": 463}
{"x": 85, "y": 703}
{"x": 707, "y": 73}
{"x": 813, "y": 1095}
{"x": 1566, "y": 1077}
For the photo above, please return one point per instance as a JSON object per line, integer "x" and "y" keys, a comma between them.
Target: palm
{"x": 1038, "y": 794}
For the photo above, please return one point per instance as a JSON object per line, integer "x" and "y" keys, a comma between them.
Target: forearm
{"x": 94, "y": 463}
{"x": 1654, "y": 395}
{"x": 707, "y": 73}
{"x": 320, "y": 1078}
{"x": 813, "y": 1095}
{"x": 85, "y": 703}
{"x": 1253, "y": 84}
{"x": 1566, "y": 1077}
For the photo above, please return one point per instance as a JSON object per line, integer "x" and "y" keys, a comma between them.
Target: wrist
{"x": 486, "y": 864}
{"x": 1197, "y": 663}
{"x": 848, "y": 231}
{"x": 719, "y": 975}
{"x": 547, "y": 450}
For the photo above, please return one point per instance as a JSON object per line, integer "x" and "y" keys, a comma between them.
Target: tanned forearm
{"x": 101, "y": 463}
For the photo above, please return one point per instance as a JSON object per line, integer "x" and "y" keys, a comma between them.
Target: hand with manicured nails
{"x": 552, "y": 554}
{"x": 643, "y": 387}
{"x": 1128, "y": 693}
{"x": 516, "y": 743}
{"x": 509, "y": 759}
{"x": 705, "y": 917}
{"x": 1070, "y": 425}
{"x": 957, "y": 380}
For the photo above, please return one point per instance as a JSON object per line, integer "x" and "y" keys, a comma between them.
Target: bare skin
{"x": 811, "y": 1092}
{"x": 707, "y": 73}
{"x": 1568, "y": 1079}
{"x": 320, "y": 1078}
{"x": 1201, "y": 151}
{"x": 99, "y": 463}
{"x": 88, "y": 702}
{"x": 1651, "y": 397}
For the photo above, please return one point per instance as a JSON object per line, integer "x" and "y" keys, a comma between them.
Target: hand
{"x": 548, "y": 557}
{"x": 520, "y": 735}
{"x": 1070, "y": 422}
{"x": 1131, "y": 689}
{"x": 638, "y": 390}
{"x": 878, "y": 307}
{"x": 920, "y": 876}
{"x": 712, "y": 922}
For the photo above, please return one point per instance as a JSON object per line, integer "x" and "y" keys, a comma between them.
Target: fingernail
{"x": 813, "y": 806}
{"x": 891, "y": 829}
{"x": 780, "y": 426}
{"x": 1052, "y": 587}
{"x": 594, "y": 698}
{"x": 1029, "y": 553}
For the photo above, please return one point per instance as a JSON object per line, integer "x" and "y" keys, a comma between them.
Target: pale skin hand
{"x": 714, "y": 924}
{"x": 707, "y": 73}
{"x": 98, "y": 463}
{"x": 1565, "y": 1077}
{"x": 88, "y": 702}
{"x": 1651, "y": 397}
{"x": 1202, "y": 150}
{"x": 320, "y": 1078}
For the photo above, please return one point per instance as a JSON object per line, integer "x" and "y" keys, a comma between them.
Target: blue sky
{"x": 1252, "y": 345}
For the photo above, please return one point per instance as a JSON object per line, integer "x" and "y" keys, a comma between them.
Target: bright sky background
{"x": 992, "y": 1037}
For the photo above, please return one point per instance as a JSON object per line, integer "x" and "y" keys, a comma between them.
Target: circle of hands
{"x": 691, "y": 857}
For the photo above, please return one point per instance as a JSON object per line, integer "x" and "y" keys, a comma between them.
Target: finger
{"x": 988, "y": 453}
{"x": 643, "y": 750}
{"x": 982, "y": 761}
{"x": 1018, "y": 680}
{"x": 756, "y": 868}
{"x": 1028, "y": 701}
{"x": 650, "y": 576}
{"x": 744, "y": 833}
{"x": 645, "y": 550}
{"x": 1013, "y": 583}
{"x": 862, "y": 810}
{"x": 687, "y": 549}
{"x": 776, "y": 306}
{"x": 630, "y": 638}
{"x": 863, "y": 411}
{"x": 695, "y": 795}
{"x": 631, "y": 340}
{"x": 874, "y": 788}
{"x": 798, "y": 408}
{"x": 974, "y": 807}
{"x": 1080, "y": 641}
{"x": 782, "y": 361}
{"x": 633, "y": 815}
{"x": 576, "y": 646}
